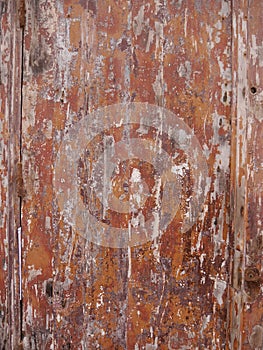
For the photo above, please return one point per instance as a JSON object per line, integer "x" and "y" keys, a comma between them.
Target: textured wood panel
{"x": 169, "y": 292}
{"x": 10, "y": 83}
{"x": 142, "y": 166}
{"x": 246, "y": 326}
{"x": 253, "y": 315}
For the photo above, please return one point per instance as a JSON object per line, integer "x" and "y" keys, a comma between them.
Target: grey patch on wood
{"x": 39, "y": 60}
{"x": 256, "y": 338}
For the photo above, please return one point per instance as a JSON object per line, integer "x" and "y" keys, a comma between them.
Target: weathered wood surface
{"x": 198, "y": 60}
{"x": 246, "y": 330}
{"x": 10, "y": 116}
{"x": 170, "y": 292}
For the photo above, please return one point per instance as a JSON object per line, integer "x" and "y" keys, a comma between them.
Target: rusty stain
{"x": 247, "y": 182}
{"x": 203, "y": 62}
{"x": 19, "y": 180}
{"x": 22, "y": 13}
{"x": 10, "y": 122}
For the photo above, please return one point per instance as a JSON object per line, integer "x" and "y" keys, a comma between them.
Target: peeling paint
{"x": 200, "y": 184}
{"x": 219, "y": 289}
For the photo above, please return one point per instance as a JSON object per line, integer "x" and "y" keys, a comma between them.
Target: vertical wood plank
{"x": 81, "y": 56}
{"x": 238, "y": 168}
{"x": 42, "y": 26}
{"x": 10, "y": 84}
{"x": 246, "y": 330}
{"x": 253, "y": 274}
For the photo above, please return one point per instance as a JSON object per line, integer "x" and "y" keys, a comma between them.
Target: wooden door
{"x": 138, "y": 199}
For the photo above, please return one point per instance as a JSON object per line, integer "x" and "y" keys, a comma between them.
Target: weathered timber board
{"x": 246, "y": 315}
{"x": 10, "y": 116}
{"x": 170, "y": 291}
{"x": 141, "y": 147}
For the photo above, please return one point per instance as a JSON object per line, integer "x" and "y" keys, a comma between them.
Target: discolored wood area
{"x": 10, "y": 174}
{"x": 168, "y": 291}
{"x": 247, "y": 178}
{"x": 140, "y": 194}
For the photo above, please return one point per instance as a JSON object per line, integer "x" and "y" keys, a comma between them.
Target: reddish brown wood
{"x": 185, "y": 289}
{"x": 253, "y": 315}
{"x": 170, "y": 292}
{"x": 10, "y": 116}
{"x": 245, "y": 328}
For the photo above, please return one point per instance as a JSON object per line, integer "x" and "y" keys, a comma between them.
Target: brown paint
{"x": 202, "y": 61}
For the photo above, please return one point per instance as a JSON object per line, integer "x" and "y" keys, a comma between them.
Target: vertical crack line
{"x": 20, "y": 196}
{"x": 19, "y": 238}
{"x": 230, "y": 247}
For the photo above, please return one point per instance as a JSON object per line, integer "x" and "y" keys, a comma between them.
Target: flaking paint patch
{"x": 162, "y": 97}
{"x": 138, "y": 22}
{"x": 33, "y": 273}
{"x": 219, "y": 289}
{"x": 256, "y": 52}
{"x": 48, "y": 223}
{"x": 205, "y": 322}
{"x": 256, "y": 338}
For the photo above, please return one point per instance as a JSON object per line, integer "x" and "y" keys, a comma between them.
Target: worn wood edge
{"x": 252, "y": 335}
{"x": 245, "y": 315}
{"x": 238, "y": 174}
{"x": 12, "y": 115}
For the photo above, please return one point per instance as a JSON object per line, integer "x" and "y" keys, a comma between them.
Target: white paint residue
{"x": 130, "y": 262}
{"x": 47, "y": 321}
{"x": 136, "y": 175}
{"x": 156, "y": 251}
{"x": 152, "y": 346}
{"x": 138, "y": 22}
{"x": 225, "y": 72}
{"x": 185, "y": 22}
{"x": 48, "y": 223}
{"x": 180, "y": 169}
{"x": 159, "y": 37}
{"x": 225, "y": 9}
{"x": 156, "y": 224}
{"x": 100, "y": 299}
{"x": 205, "y": 320}
{"x": 210, "y": 43}
{"x": 33, "y": 273}
{"x": 202, "y": 258}
{"x": 138, "y": 221}
{"x": 48, "y": 129}
{"x": 219, "y": 288}
{"x": 202, "y": 280}
{"x": 29, "y": 314}
{"x": 65, "y": 56}
{"x": 256, "y": 52}
{"x": 149, "y": 40}
{"x": 151, "y": 331}
{"x": 158, "y": 86}
{"x": 198, "y": 243}
{"x": 185, "y": 70}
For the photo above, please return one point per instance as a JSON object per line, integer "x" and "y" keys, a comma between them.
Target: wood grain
{"x": 193, "y": 289}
